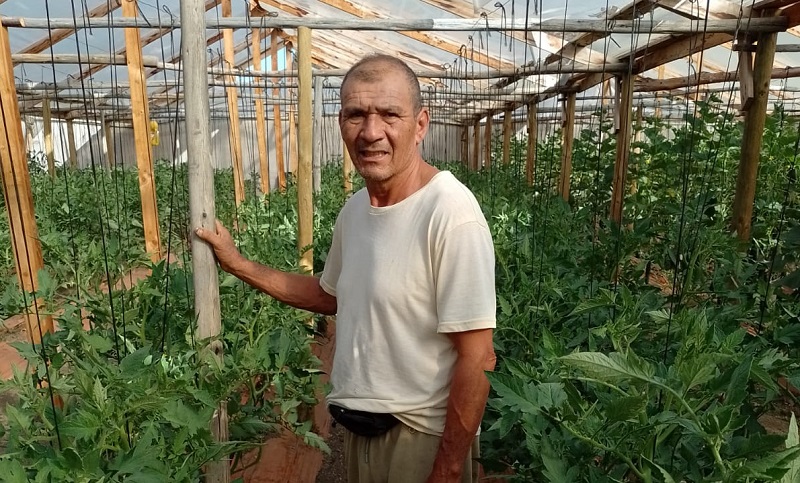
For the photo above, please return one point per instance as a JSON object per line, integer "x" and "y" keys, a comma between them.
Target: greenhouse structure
{"x": 635, "y": 161}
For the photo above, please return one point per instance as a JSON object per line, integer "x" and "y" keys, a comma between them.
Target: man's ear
{"x": 423, "y": 122}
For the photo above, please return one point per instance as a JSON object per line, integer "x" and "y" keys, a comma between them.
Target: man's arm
{"x": 300, "y": 291}
{"x": 469, "y": 391}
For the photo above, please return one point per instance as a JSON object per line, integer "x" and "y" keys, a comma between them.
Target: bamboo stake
{"x": 261, "y": 115}
{"x": 17, "y": 194}
{"x": 347, "y": 169}
{"x": 305, "y": 234}
{"x": 317, "y": 134}
{"x": 201, "y": 206}
{"x": 292, "y": 101}
{"x": 465, "y": 145}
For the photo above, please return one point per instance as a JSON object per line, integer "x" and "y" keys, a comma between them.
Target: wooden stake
{"x": 73, "y": 150}
{"x": 487, "y": 143}
{"x": 533, "y": 138}
{"x": 475, "y": 163}
{"x": 49, "y": 152}
{"x": 276, "y": 114}
{"x": 465, "y": 145}
{"x": 293, "y": 161}
{"x": 109, "y": 135}
{"x": 317, "y": 126}
{"x": 754, "y": 121}
{"x": 568, "y": 134}
{"x": 17, "y": 193}
{"x": 141, "y": 135}
{"x": 261, "y": 115}
{"x": 507, "y": 128}
{"x": 201, "y": 205}
{"x": 232, "y": 95}
{"x": 623, "y": 148}
{"x": 305, "y": 209}
{"x": 347, "y": 170}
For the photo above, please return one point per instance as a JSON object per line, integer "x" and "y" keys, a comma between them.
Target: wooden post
{"x": 637, "y": 138}
{"x": 318, "y": 112}
{"x": 533, "y": 139}
{"x": 754, "y": 121}
{"x": 201, "y": 204}
{"x": 745, "y": 69}
{"x": 276, "y": 114}
{"x": 73, "y": 150}
{"x": 109, "y": 135}
{"x": 347, "y": 169}
{"x": 662, "y": 70}
{"x": 261, "y": 131}
{"x": 141, "y": 135}
{"x": 465, "y": 145}
{"x": 49, "y": 152}
{"x": 305, "y": 209}
{"x": 17, "y": 193}
{"x": 487, "y": 141}
{"x": 234, "y": 134}
{"x": 28, "y": 137}
{"x": 507, "y": 128}
{"x": 475, "y": 164}
{"x": 623, "y": 148}
{"x": 568, "y": 134}
{"x": 292, "y": 115}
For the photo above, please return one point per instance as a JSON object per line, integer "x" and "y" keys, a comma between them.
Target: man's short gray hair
{"x": 373, "y": 68}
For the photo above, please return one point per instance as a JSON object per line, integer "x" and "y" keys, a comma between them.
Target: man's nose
{"x": 372, "y": 129}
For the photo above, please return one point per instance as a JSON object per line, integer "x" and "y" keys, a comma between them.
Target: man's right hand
{"x": 224, "y": 247}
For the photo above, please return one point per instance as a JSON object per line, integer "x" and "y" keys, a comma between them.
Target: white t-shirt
{"x": 405, "y": 275}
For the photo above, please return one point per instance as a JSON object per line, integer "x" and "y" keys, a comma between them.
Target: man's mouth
{"x": 372, "y": 155}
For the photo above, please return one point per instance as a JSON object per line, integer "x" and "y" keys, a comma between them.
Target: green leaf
{"x": 12, "y": 471}
{"x": 625, "y": 408}
{"x": 72, "y": 459}
{"x": 510, "y": 398}
{"x": 792, "y": 441}
{"x": 505, "y": 307}
{"x": 550, "y": 395}
{"x": 737, "y": 387}
{"x": 612, "y": 367}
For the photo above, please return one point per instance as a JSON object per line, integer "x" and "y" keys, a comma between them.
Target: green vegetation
{"x": 641, "y": 352}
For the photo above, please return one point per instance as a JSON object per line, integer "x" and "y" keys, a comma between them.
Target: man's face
{"x": 379, "y": 125}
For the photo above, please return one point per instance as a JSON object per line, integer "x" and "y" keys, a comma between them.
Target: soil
{"x": 333, "y": 469}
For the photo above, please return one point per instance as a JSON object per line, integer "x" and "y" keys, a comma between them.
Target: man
{"x": 410, "y": 276}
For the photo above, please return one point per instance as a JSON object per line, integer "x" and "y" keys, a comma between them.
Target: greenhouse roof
{"x": 509, "y": 53}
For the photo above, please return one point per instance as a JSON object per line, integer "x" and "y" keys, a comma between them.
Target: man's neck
{"x": 400, "y": 186}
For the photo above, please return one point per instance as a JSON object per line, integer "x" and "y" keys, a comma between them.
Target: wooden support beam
{"x": 292, "y": 95}
{"x": 568, "y": 135}
{"x": 441, "y": 43}
{"x": 141, "y": 135}
{"x": 745, "y": 69}
{"x": 754, "y": 121}
{"x": 533, "y": 139}
{"x": 18, "y": 195}
{"x": 317, "y": 134}
{"x": 73, "y": 150}
{"x": 276, "y": 116}
{"x": 305, "y": 209}
{"x": 475, "y": 162}
{"x": 49, "y": 152}
{"x": 508, "y": 127}
{"x": 623, "y": 148}
{"x": 261, "y": 118}
{"x": 347, "y": 171}
{"x": 57, "y": 35}
{"x": 650, "y": 85}
{"x": 487, "y": 142}
{"x": 234, "y": 134}
{"x": 202, "y": 213}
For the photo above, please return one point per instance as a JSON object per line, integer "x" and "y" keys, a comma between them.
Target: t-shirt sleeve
{"x": 465, "y": 290}
{"x": 333, "y": 263}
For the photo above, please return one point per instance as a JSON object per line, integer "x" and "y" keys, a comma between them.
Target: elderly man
{"x": 410, "y": 277}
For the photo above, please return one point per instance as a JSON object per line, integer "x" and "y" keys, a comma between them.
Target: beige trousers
{"x": 402, "y": 455}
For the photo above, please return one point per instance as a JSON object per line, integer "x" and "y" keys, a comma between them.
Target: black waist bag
{"x": 363, "y": 423}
